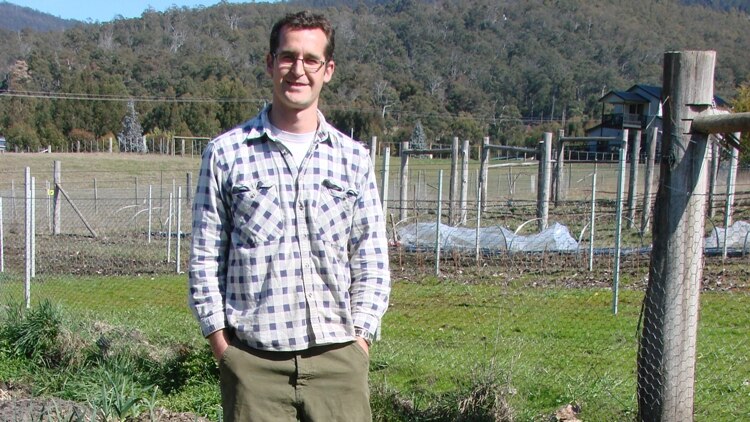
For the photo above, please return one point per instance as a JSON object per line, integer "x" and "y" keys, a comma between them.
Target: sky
{"x": 106, "y": 10}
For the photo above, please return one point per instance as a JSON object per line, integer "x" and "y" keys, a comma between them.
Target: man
{"x": 289, "y": 269}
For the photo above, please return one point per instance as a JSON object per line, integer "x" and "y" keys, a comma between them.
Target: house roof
{"x": 654, "y": 91}
{"x": 630, "y": 96}
{"x": 617, "y": 97}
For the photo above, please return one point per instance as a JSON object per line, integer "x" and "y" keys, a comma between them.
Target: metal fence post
{"x": 592, "y": 221}
{"x": 150, "y": 212}
{"x": 27, "y": 230}
{"x": 179, "y": 229}
{"x": 618, "y": 218}
{"x": 439, "y": 218}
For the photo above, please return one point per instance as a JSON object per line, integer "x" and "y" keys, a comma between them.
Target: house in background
{"x": 637, "y": 109}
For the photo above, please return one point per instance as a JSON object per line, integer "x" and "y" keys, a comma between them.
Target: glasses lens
{"x": 286, "y": 61}
{"x": 312, "y": 65}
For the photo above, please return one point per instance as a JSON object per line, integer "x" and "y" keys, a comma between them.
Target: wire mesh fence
{"x": 536, "y": 323}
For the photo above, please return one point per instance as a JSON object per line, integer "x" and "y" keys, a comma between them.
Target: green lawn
{"x": 549, "y": 346}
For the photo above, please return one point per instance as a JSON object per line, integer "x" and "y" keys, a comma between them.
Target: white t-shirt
{"x": 297, "y": 143}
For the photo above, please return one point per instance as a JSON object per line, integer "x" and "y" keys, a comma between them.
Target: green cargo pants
{"x": 321, "y": 384}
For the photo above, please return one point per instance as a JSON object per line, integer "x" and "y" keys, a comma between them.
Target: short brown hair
{"x": 304, "y": 20}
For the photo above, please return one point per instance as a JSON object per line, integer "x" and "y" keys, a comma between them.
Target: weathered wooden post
{"x": 188, "y": 187}
{"x": 403, "y": 197}
{"x": 648, "y": 182}
{"x": 484, "y": 172}
{"x": 464, "y": 181}
{"x": 373, "y": 149}
{"x": 731, "y": 184}
{"x": 384, "y": 183}
{"x": 545, "y": 174}
{"x": 454, "y": 181}
{"x": 633, "y": 181}
{"x": 713, "y": 177}
{"x": 559, "y": 163}
{"x": 666, "y": 355}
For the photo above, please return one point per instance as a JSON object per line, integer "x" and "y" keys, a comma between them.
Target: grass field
{"x": 545, "y": 347}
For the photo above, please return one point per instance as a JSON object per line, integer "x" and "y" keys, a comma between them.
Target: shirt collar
{"x": 261, "y": 126}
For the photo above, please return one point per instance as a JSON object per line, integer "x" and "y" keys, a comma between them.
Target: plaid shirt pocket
{"x": 257, "y": 213}
{"x": 337, "y": 211}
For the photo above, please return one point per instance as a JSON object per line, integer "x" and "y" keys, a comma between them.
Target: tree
{"x": 418, "y": 138}
{"x": 131, "y": 137}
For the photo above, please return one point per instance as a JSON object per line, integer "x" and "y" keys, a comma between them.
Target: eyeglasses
{"x": 286, "y": 61}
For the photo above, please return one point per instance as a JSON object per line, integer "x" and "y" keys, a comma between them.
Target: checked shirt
{"x": 289, "y": 258}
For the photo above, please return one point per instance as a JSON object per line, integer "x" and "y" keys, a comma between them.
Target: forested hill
{"x": 466, "y": 68}
{"x": 16, "y": 18}
{"x": 741, "y": 5}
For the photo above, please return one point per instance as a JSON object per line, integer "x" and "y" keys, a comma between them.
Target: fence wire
{"x": 535, "y": 327}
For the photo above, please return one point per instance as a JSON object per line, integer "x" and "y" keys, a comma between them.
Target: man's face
{"x": 295, "y": 88}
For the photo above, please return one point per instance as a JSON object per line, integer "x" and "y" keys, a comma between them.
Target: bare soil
{"x": 18, "y": 405}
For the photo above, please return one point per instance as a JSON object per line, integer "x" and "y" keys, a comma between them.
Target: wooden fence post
{"x": 189, "y": 187}
{"x": 454, "y": 181}
{"x": 731, "y": 184}
{"x": 545, "y": 175}
{"x": 559, "y": 162}
{"x": 484, "y": 172}
{"x": 464, "y": 181}
{"x": 648, "y": 183}
{"x": 667, "y": 344}
{"x": 633, "y": 181}
{"x": 384, "y": 183}
{"x": 373, "y": 149}
{"x": 403, "y": 197}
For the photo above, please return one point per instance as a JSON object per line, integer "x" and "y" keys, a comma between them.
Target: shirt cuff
{"x": 366, "y": 322}
{"x": 212, "y": 323}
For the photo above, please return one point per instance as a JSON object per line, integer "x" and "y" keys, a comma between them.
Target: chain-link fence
{"x": 530, "y": 327}
{"x": 110, "y": 224}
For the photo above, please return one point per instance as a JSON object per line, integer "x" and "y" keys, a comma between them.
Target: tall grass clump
{"x": 37, "y": 334}
{"x": 483, "y": 396}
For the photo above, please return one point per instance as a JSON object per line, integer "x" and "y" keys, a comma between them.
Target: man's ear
{"x": 330, "y": 67}
{"x": 269, "y": 64}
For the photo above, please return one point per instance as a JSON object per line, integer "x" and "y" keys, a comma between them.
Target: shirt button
{"x": 309, "y": 295}
{"x": 301, "y": 206}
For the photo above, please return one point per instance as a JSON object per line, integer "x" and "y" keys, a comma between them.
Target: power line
{"x": 122, "y": 98}
{"x": 208, "y": 100}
